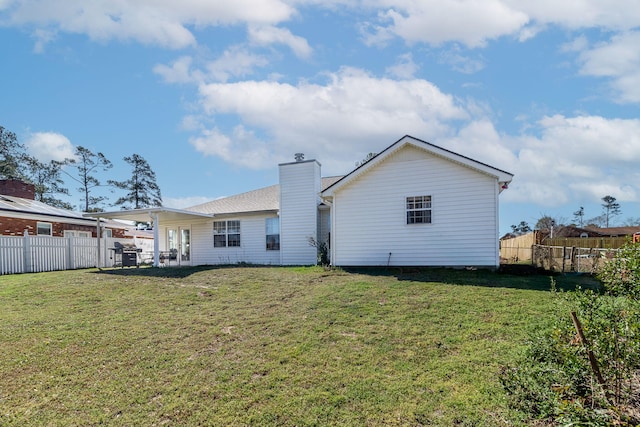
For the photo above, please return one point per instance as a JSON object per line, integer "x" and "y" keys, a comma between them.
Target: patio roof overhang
{"x": 148, "y": 214}
{"x": 157, "y": 215}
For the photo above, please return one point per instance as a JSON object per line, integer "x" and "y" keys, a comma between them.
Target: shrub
{"x": 554, "y": 379}
{"x": 621, "y": 275}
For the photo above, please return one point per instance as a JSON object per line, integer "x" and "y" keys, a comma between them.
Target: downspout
{"x": 156, "y": 239}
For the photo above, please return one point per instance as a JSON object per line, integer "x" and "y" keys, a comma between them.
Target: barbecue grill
{"x": 126, "y": 255}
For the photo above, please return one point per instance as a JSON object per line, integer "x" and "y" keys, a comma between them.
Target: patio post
{"x": 156, "y": 240}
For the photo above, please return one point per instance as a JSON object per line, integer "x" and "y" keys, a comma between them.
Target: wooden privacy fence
{"x": 32, "y": 254}
{"x": 586, "y": 242}
{"x": 571, "y": 259}
{"x": 517, "y": 249}
{"x": 521, "y": 248}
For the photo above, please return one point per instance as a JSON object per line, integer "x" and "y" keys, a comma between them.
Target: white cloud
{"x": 179, "y": 71}
{"x": 461, "y": 63}
{"x": 353, "y": 112}
{"x": 404, "y": 68}
{"x": 611, "y": 14}
{"x": 172, "y": 24}
{"x": 578, "y": 44}
{"x": 618, "y": 59}
{"x": 43, "y": 37}
{"x": 46, "y": 146}
{"x": 184, "y": 202}
{"x": 471, "y": 22}
{"x": 479, "y": 140}
{"x": 266, "y": 35}
{"x": 241, "y": 148}
{"x": 234, "y": 62}
{"x": 583, "y": 157}
{"x": 159, "y": 22}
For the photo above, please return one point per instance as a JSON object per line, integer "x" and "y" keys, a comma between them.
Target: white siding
{"x": 299, "y": 199}
{"x": 369, "y": 215}
{"x": 324, "y": 225}
{"x": 252, "y": 242}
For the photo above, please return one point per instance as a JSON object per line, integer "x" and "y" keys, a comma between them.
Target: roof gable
{"x": 502, "y": 176}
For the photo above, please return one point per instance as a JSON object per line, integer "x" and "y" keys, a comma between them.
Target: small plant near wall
{"x": 323, "y": 251}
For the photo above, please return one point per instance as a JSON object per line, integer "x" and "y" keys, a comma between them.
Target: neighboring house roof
{"x": 10, "y": 204}
{"x": 261, "y": 200}
{"x": 615, "y": 231}
{"x": 573, "y": 231}
{"x": 503, "y": 177}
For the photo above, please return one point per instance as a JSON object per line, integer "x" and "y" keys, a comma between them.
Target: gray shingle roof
{"x": 260, "y": 200}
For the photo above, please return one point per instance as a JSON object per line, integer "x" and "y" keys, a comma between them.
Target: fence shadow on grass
{"x": 515, "y": 278}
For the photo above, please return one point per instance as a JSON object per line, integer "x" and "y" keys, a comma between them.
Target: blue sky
{"x": 215, "y": 94}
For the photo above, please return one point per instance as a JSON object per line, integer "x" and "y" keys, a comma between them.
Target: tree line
{"x": 140, "y": 190}
{"x": 610, "y": 209}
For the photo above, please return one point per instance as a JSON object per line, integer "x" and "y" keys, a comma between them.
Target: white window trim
{"x": 266, "y": 232}
{"x": 226, "y": 233}
{"x": 422, "y": 209}
{"x": 76, "y": 233}
{"x": 44, "y": 224}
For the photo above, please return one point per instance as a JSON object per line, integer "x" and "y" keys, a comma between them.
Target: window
{"x": 272, "y": 229}
{"x": 76, "y": 233}
{"x": 45, "y": 229}
{"x": 107, "y": 232}
{"x": 419, "y": 210}
{"x": 226, "y": 234}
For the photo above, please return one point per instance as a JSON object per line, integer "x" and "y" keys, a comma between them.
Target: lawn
{"x": 263, "y": 346}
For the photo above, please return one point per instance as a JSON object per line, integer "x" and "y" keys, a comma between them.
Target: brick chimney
{"x": 17, "y": 188}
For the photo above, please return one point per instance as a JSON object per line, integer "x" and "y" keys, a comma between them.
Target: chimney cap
{"x": 299, "y": 157}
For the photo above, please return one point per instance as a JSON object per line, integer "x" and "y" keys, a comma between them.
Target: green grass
{"x": 262, "y": 346}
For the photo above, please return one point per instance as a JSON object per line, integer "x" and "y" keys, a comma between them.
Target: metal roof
{"x": 11, "y": 204}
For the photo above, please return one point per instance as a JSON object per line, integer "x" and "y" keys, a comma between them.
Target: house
{"x": 413, "y": 204}
{"x": 572, "y": 231}
{"x": 20, "y": 213}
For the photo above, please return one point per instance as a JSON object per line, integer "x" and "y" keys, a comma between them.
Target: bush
{"x": 554, "y": 379}
{"x": 621, "y": 275}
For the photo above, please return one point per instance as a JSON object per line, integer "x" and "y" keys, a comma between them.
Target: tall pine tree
{"x": 87, "y": 163}
{"x": 12, "y": 156}
{"x": 142, "y": 189}
{"x": 47, "y": 182}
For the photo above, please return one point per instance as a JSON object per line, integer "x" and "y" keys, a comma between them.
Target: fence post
{"x": 26, "y": 253}
{"x": 70, "y": 260}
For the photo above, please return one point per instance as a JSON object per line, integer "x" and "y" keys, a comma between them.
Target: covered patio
{"x": 157, "y": 216}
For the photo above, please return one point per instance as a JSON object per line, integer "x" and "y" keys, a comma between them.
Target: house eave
{"x": 503, "y": 177}
{"x": 145, "y": 215}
